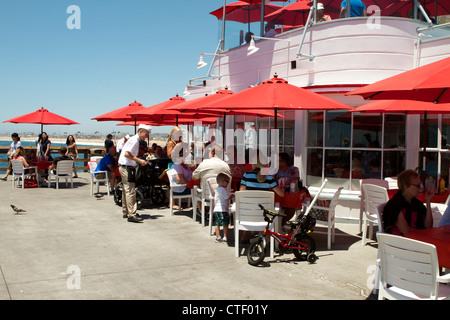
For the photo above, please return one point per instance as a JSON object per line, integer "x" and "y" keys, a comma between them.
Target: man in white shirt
{"x": 127, "y": 163}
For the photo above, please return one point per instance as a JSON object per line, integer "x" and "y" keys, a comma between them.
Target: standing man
{"x": 127, "y": 168}
{"x": 358, "y": 9}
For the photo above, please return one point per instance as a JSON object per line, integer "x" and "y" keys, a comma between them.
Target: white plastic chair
{"x": 437, "y": 210}
{"x": 378, "y": 182}
{"x": 330, "y": 223}
{"x": 392, "y": 182}
{"x": 409, "y": 270}
{"x": 201, "y": 194}
{"x": 249, "y": 216}
{"x": 379, "y": 211}
{"x": 374, "y": 195}
{"x": 95, "y": 179}
{"x": 19, "y": 172}
{"x": 173, "y": 184}
{"x": 64, "y": 170}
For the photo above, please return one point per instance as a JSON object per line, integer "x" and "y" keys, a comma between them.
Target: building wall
{"x": 348, "y": 53}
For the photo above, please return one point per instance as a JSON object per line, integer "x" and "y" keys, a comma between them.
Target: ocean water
{"x": 26, "y": 144}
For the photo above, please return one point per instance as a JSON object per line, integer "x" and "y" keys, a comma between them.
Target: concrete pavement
{"x": 70, "y": 245}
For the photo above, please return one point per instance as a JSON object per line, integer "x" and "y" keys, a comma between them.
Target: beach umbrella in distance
{"x": 43, "y": 117}
{"x": 276, "y": 94}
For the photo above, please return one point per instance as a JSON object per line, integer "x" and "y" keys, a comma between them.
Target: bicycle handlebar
{"x": 273, "y": 214}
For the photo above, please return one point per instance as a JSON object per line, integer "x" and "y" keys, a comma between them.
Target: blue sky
{"x": 126, "y": 50}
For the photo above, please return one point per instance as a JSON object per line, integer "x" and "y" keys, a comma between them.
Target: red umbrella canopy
{"x": 244, "y": 12}
{"x": 293, "y": 15}
{"x": 426, "y": 83}
{"x": 172, "y": 122}
{"x": 276, "y": 93}
{"x": 160, "y": 112}
{"x": 43, "y": 117}
{"x": 120, "y": 114}
{"x": 403, "y": 106}
{"x": 196, "y": 105}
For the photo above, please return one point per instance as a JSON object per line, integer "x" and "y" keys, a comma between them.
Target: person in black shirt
{"x": 404, "y": 212}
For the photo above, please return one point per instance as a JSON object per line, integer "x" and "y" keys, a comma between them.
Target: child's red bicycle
{"x": 297, "y": 239}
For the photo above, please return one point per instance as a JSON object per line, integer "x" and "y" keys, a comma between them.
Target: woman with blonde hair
{"x": 20, "y": 155}
{"x": 175, "y": 137}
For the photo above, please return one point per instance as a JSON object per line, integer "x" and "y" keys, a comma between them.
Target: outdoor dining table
{"x": 41, "y": 165}
{"x": 437, "y": 198}
{"x": 439, "y": 237}
{"x": 292, "y": 200}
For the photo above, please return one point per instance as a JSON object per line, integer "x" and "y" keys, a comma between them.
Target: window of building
{"x": 354, "y": 146}
{"x": 437, "y": 160}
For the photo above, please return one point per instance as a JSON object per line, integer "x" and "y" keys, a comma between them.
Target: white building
{"x": 339, "y": 56}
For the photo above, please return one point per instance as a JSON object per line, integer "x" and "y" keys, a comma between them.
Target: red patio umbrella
{"x": 160, "y": 112}
{"x": 121, "y": 114}
{"x": 292, "y": 15}
{"x": 196, "y": 105}
{"x": 276, "y": 94}
{"x": 426, "y": 83}
{"x": 244, "y": 12}
{"x": 43, "y": 117}
{"x": 404, "y": 106}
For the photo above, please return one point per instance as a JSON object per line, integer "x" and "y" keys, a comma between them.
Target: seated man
{"x": 108, "y": 164}
{"x": 63, "y": 152}
{"x": 404, "y": 212}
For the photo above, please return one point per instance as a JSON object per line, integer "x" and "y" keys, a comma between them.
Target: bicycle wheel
{"x": 256, "y": 252}
{"x": 308, "y": 242}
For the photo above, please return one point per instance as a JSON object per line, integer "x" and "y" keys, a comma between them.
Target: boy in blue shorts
{"x": 221, "y": 204}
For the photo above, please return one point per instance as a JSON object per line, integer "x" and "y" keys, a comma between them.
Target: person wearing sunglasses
{"x": 404, "y": 212}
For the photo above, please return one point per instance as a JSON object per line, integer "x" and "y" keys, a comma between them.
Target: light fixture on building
{"x": 252, "y": 48}
{"x": 201, "y": 63}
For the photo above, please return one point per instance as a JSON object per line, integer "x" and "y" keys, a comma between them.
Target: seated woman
{"x": 182, "y": 176}
{"x": 20, "y": 155}
{"x": 286, "y": 169}
{"x": 404, "y": 212}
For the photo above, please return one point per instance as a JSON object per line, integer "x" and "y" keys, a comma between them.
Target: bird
{"x": 17, "y": 210}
